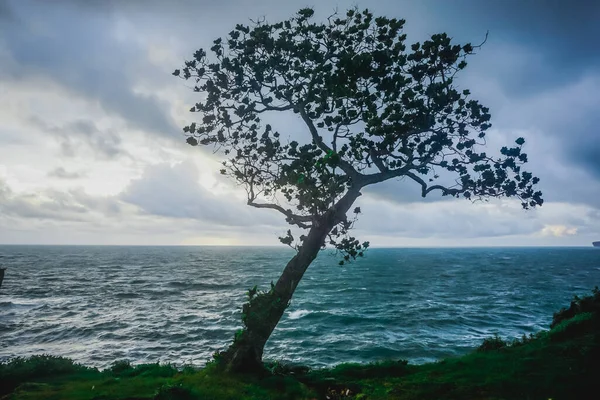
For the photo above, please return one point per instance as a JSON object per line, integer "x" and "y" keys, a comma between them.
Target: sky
{"x": 92, "y": 149}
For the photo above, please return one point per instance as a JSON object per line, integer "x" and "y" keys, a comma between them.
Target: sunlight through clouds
{"x": 558, "y": 230}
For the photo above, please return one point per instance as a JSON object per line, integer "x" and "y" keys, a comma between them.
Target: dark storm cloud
{"x": 83, "y": 134}
{"x": 562, "y": 33}
{"x": 5, "y": 12}
{"x": 564, "y": 143}
{"x": 583, "y": 145}
{"x": 534, "y": 72}
{"x": 590, "y": 157}
{"x": 80, "y": 52}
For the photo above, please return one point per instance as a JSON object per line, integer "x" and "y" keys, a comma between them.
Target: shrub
{"x": 578, "y": 305}
{"x": 120, "y": 367}
{"x": 492, "y": 343}
{"x": 15, "y": 371}
{"x": 123, "y": 368}
{"x": 573, "y": 327}
{"x": 174, "y": 392}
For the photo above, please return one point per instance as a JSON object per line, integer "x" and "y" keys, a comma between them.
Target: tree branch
{"x": 426, "y": 190}
{"x": 299, "y": 220}
{"x": 318, "y": 140}
{"x": 377, "y": 161}
{"x": 385, "y": 175}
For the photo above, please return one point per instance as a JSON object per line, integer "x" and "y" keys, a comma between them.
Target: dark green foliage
{"x": 527, "y": 339}
{"x": 586, "y": 304}
{"x": 575, "y": 326}
{"x": 174, "y": 392}
{"x": 373, "y": 110}
{"x": 120, "y": 367}
{"x": 18, "y": 370}
{"x": 492, "y": 343}
{"x": 497, "y": 343}
{"x": 125, "y": 369}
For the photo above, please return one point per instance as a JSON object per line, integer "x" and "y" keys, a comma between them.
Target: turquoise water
{"x": 180, "y": 304}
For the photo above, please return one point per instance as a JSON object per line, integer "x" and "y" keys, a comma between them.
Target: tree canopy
{"x": 373, "y": 110}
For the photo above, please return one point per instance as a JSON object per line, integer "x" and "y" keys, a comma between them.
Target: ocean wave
{"x": 199, "y": 286}
{"x": 297, "y": 314}
{"x": 127, "y": 295}
{"x": 165, "y": 304}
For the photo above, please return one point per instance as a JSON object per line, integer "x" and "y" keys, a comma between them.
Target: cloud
{"x": 82, "y": 134}
{"x": 562, "y": 129}
{"x": 566, "y": 112}
{"x": 558, "y": 230}
{"x": 73, "y": 205}
{"x": 76, "y": 217}
{"x": 50, "y": 205}
{"x": 62, "y": 173}
{"x": 445, "y": 219}
{"x": 96, "y": 75}
{"x": 5, "y": 12}
{"x": 175, "y": 192}
{"x": 460, "y": 222}
{"x": 84, "y": 55}
{"x": 560, "y": 35}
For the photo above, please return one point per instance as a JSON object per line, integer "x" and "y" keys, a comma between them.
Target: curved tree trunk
{"x": 245, "y": 354}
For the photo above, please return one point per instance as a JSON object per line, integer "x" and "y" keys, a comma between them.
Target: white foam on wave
{"x": 297, "y": 314}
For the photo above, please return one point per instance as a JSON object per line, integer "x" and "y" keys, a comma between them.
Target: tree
{"x": 372, "y": 110}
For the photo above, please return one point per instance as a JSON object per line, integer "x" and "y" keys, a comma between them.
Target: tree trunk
{"x": 245, "y": 354}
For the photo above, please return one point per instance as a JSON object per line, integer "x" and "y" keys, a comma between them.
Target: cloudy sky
{"x": 92, "y": 151}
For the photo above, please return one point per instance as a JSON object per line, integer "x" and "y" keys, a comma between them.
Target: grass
{"x": 562, "y": 363}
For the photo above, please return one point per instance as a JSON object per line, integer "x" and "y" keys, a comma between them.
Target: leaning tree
{"x": 372, "y": 110}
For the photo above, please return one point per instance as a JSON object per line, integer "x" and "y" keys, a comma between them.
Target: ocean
{"x": 98, "y": 304}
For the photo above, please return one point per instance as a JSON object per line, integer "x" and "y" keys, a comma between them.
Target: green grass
{"x": 46, "y": 377}
{"x": 562, "y": 363}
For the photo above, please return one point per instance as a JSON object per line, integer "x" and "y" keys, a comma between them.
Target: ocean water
{"x": 180, "y": 304}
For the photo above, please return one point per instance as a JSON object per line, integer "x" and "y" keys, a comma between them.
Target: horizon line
{"x": 280, "y": 246}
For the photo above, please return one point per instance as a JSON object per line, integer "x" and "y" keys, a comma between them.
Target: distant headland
{"x": 596, "y": 244}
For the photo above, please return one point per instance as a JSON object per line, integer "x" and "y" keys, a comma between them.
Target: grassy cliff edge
{"x": 562, "y": 363}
